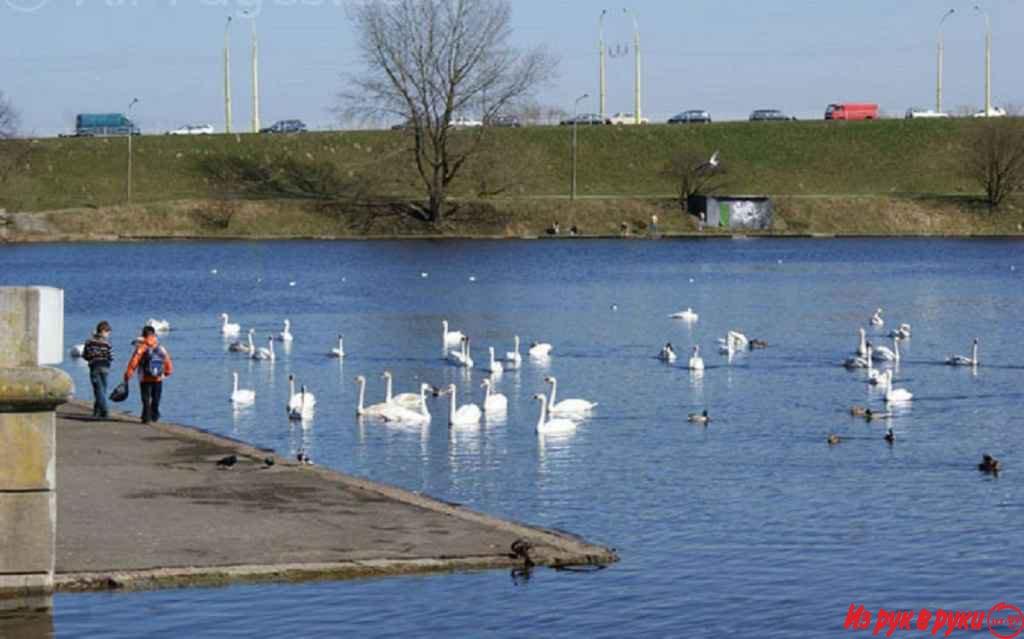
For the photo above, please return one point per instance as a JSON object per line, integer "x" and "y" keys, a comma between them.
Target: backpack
{"x": 153, "y": 362}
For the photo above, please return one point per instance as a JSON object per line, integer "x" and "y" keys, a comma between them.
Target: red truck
{"x": 852, "y": 111}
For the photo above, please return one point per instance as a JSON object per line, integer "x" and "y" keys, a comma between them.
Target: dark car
{"x": 769, "y": 115}
{"x": 692, "y": 116}
{"x": 585, "y": 119}
{"x": 507, "y": 121}
{"x": 286, "y": 126}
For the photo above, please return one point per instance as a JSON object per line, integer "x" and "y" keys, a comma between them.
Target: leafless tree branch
{"x": 995, "y": 159}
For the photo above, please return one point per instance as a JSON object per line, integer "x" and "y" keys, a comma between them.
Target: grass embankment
{"x": 865, "y": 178}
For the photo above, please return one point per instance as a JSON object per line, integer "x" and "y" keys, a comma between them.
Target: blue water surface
{"x": 752, "y": 526}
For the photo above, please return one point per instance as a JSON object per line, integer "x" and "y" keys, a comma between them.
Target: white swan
{"x": 405, "y": 400}
{"x": 494, "y": 403}
{"x": 696, "y": 363}
{"x": 687, "y": 316}
{"x": 727, "y": 345}
{"x": 228, "y": 329}
{"x": 301, "y": 405}
{"x": 495, "y": 367}
{"x": 77, "y": 351}
{"x": 286, "y": 334}
{"x": 567, "y": 407}
{"x": 381, "y": 410}
{"x": 883, "y": 354}
{"x": 554, "y": 425}
{"x": 876, "y": 319}
{"x": 244, "y": 347}
{"x": 874, "y": 376}
{"x": 402, "y": 415}
{"x": 862, "y": 347}
{"x": 461, "y": 357}
{"x": 740, "y": 341}
{"x": 893, "y": 395}
{"x": 667, "y": 354}
{"x": 450, "y": 338}
{"x": 960, "y": 360}
{"x": 903, "y": 332}
{"x": 514, "y": 359}
{"x": 265, "y": 354}
{"x": 158, "y": 325}
{"x": 540, "y": 350}
{"x": 466, "y": 415}
{"x": 241, "y": 397}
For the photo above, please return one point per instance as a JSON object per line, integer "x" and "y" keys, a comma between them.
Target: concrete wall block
{"x": 27, "y": 454}
{"x": 28, "y": 527}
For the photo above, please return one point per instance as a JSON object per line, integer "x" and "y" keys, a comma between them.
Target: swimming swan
{"x": 227, "y": 329}
{"x": 244, "y": 347}
{"x": 876, "y": 319}
{"x": 286, "y": 334}
{"x": 514, "y": 359}
{"x": 241, "y": 397}
{"x": 494, "y": 403}
{"x": 461, "y": 357}
{"x": 960, "y": 360}
{"x": 554, "y": 425}
{"x": 265, "y": 354}
{"x": 466, "y": 415}
{"x": 567, "y": 407}
{"x": 696, "y": 363}
{"x": 77, "y": 351}
{"x": 302, "y": 404}
{"x": 420, "y": 415}
{"x": 687, "y": 316}
{"x": 862, "y": 346}
{"x": 667, "y": 354}
{"x": 895, "y": 394}
{"x": 380, "y": 411}
{"x": 158, "y": 325}
{"x": 495, "y": 368}
{"x": 540, "y": 350}
{"x": 450, "y": 338}
{"x": 883, "y": 354}
{"x": 339, "y": 352}
{"x": 405, "y": 400}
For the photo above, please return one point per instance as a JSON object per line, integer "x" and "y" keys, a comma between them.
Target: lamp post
{"x": 255, "y": 74}
{"x": 131, "y": 134}
{"x": 601, "y": 55}
{"x": 575, "y": 124}
{"x": 636, "y": 54}
{"x": 988, "y": 60}
{"x": 938, "y": 83}
{"x": 227, "y": 78}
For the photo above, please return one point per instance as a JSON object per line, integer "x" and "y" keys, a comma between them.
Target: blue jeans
{"x": 98, "y": 377}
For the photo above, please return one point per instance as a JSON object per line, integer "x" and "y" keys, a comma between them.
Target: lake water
{"x": 752, "y": 526}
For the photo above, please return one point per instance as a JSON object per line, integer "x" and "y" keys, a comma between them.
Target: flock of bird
{"x": 411, "y": 409}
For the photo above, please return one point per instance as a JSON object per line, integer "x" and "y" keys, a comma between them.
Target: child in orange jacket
{"x": 153, "y": 363}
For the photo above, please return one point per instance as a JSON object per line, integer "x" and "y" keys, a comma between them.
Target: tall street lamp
{"x": 938, "y": 83}
{"x": 131, "y": 134}
{"x": 255, "y": 75}
{"x": 227, "y": 78}
{"x": 636, "y": 55}
{"x": 988, "y": 60}
{"x": 575, "y": 124}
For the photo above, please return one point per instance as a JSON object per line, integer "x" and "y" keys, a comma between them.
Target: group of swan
{"x": 463, "y": 356}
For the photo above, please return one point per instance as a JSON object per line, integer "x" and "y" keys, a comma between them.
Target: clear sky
{"x": 62, "y": 57}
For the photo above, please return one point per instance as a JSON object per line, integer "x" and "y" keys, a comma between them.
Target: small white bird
{"x": 265, "y": 354}
{"x": 77, "y": 351}
{"x": 286, "y": 334}
{"x": 687, "y": 316}
{"x": 158, "y": 325}
{"x": 240, "y": 396}
{"x": 554, "y": 425}
{"x": 696, "y": 363}
{"x": 228, "y": 329}
{"x": 244, "y": 347}
{"x": 893, "y": 395}
{"x": 450, "y": 338}
{"x": 513, "y": 359}
{"x": 465, "y": 415}
{"x": 301, "y": 405}
{"x": 339, "y": 351}
{"x": 495, "y": 367}
{"x": 574, "y": 408}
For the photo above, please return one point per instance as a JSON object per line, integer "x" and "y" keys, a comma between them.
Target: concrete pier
{"x": 147, "y": 506}
{"x": 29, "y": 320}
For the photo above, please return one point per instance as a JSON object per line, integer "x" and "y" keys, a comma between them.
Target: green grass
{"x": 799, "y": 158}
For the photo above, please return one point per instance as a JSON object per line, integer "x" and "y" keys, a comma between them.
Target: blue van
{"x": 104, "y": 124}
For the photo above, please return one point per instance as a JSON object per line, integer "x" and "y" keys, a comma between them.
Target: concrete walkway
{"x": 146, "y": 506}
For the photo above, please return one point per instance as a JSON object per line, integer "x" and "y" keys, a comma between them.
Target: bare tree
{"x": 694, "y": 173}
{"x": 995, "y": 159}
{"x": 8, "y": 118}
{"x": 429, "y": 61}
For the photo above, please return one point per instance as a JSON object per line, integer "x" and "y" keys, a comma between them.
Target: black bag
{"x": 120, "y": 393}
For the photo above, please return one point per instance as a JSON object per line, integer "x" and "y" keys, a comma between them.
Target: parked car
{"x": 585, "y": 119}
{"x": 103, "y": 124}
{"x": 507, "y": 121}
{"x": 914, "y": 113}
{"x": 687, "y": 117}
{"x": 769, "y": 115}
{"x": 994, "y": 112}
{"x": 462, "y": 122}
{"x": 286, "y": 126}
{"x": 852, "y": 111}
{"x": 193, "y": 129}
{"x": 626, "y": 118}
